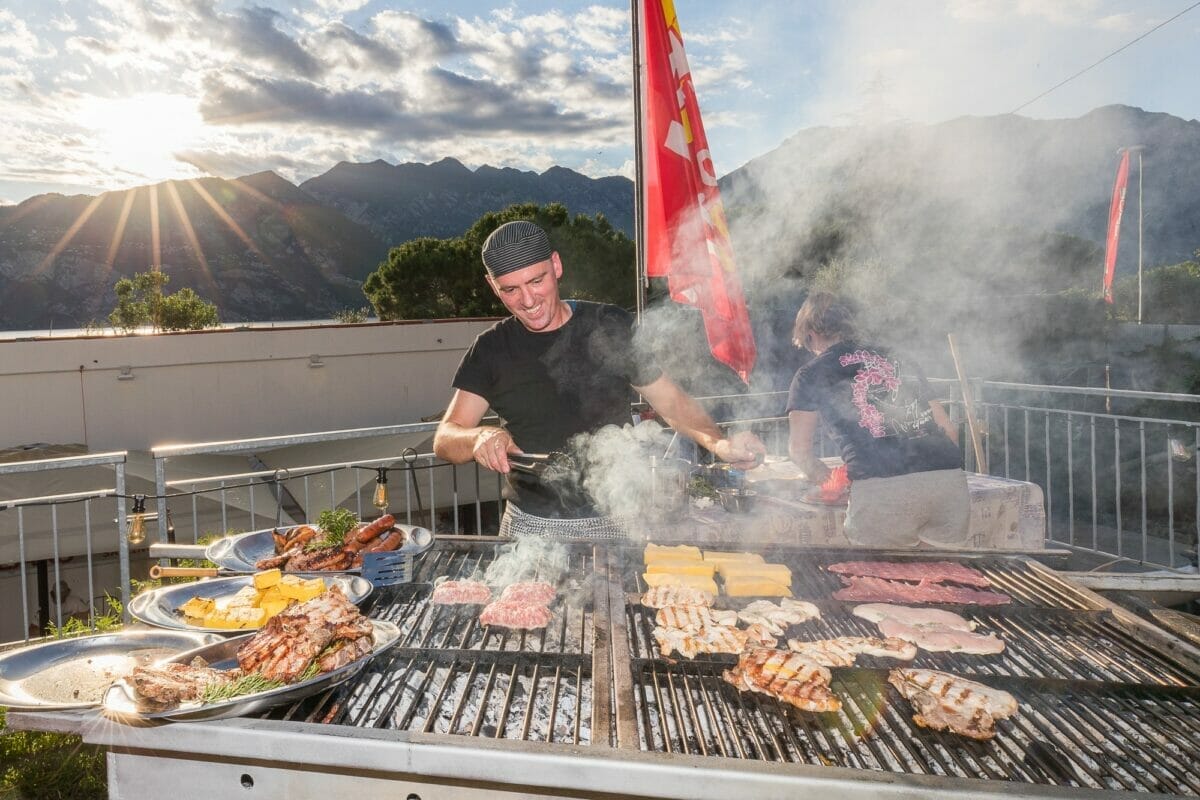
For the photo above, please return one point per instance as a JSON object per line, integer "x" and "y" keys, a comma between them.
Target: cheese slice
{"x": 720, "y": 556}
{"x": 682, "y": 567}
{"x": 657, "y": 552}
{"x": 755, "y": 586}
{"x": 701, "y": 582}
{"x": 775, "y": 572}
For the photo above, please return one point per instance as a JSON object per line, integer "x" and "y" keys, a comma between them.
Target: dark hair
{"x": 824, "y": 314}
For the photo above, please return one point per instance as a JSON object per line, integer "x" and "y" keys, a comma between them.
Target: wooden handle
{"x": 182, "y": 572}
{"x": 969, "y": 409}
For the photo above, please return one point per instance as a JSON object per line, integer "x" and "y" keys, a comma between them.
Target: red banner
{"x": 1115, "y": 209}
{"x": 685, "y": 236}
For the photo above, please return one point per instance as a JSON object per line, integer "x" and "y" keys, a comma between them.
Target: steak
{"x": 867, "y": 589}
{"x": 932, "y": 571}
{"x": 531, "y": 592}
{"x": 461, "y": 593}
{"x": 171, "y": 684}
{"x": 510, "y": 614}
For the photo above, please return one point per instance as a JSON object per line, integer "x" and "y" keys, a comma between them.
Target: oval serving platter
{"x": 73, "y": 673}
{"x": 120, "y": 702}
{"x": 159, "y": 607}
{"x": 240, "y": 552}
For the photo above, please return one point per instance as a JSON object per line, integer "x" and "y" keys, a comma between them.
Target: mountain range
{"x": 978, "y": 204}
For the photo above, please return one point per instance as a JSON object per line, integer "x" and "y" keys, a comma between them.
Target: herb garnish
{"x": 334, "y": 524}
{"x": 251, "y": 684}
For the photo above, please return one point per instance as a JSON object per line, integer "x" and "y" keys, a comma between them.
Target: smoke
{"x": 525, "y": 559}
{"x": 617, "y": 471}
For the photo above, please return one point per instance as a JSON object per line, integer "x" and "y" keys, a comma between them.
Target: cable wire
{"x": 1106, "y": 58}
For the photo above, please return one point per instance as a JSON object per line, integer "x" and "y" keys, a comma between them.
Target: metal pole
{"x": 639, "y": 213}
{"x": 1139, "y": 152}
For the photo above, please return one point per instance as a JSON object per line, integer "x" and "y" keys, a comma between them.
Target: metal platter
{"x": 120, "y": 703}
{"x": 239, "y": 553}
{"x": 74, "y": 673}
{"x": 158, "y": 606}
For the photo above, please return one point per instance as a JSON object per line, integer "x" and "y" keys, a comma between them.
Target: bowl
{"x": 737, "y": 501}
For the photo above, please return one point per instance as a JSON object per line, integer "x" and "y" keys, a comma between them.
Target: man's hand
{"x": 491, "y": 448}
{"x": 743, "y": 450}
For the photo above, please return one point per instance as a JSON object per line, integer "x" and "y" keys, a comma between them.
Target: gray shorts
{"x": 516, "y": 522}
{"x": 921, "y": 509}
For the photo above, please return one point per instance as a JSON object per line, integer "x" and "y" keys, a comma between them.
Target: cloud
{"x": 254, "y": 31}
{"x": 16, "y": 36}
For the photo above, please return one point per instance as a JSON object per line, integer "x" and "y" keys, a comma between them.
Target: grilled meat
{"x": 690, "y": 643}
{"x": 948, "y": 702}
{"x": 939, "y": 639}
{"x": 461, "y": 593}
{"x": 663, "y": 596}
{"x": 921, "y": 571}
{"x": 787, "y": 676}
{"x": 292, "y": 639}
{"x": 693, "y": 618}
{"x": 343, "y": 652}
{"x": 320, "y": 559}
{"x": 776, "y": 618}
{"x": 761, "y": 635}
{"x": 877, "y": 612}
{"x": 844, "y": 650}
{"x": 510, "y": 614}
{"x": 531, "y": 592}
{"x": 885, "y": 591}
{"x": 171, "y": 684}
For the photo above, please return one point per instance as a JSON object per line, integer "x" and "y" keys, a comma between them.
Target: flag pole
{"x": 639, "y": 212}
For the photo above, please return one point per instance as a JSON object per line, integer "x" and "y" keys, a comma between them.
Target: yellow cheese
{"x": 682, "y": 567}
{"x": 657, "y": 552}
{"x": 246, "y": 597}
{"x": 755, "y": 586}
{"x": 775, "y": 572}
{"x": 198, "y": 607}
{"x": 672, "y": 579}
{"x": 722, "y": 556}
{"x": 219, "y": 618}
{"x": 273, "y": 607}
{"x": 267, "y": 578}
{"x": 246, "y": 617}
{"x": 301, "y": 589}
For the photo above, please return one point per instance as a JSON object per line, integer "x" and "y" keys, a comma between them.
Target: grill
{"x": 586, "y": 706}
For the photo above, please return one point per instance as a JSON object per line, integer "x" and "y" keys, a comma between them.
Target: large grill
{"x": 1107, "y": 703}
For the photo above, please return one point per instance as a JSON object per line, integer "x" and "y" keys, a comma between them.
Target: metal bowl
{"x": 737, "y": 501}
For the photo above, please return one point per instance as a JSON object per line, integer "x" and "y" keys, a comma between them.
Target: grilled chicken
{"x": 693, "y": 618}
{"x": 761, "y": 635}
{"x": 842, "y": 651}
{"x": 787, "y": 676}
{"x": 948, "y": 702}
{"x": 777, "y": 617}
{"x": 663, "y": 596}
{"x": 877, "y": 612}
{"x": 939, "y": 639}
{"x": 689, "y": 644}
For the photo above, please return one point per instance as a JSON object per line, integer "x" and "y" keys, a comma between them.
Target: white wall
{"x": 227, "y": 384}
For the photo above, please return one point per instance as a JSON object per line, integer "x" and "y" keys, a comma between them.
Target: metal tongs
{"x": 538, "y": 464}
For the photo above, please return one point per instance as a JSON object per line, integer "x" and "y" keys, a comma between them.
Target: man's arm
{"x": 802, "y": 425}
{"x": 460, "y": 438}
{"x": 943, "y": 420}
{"x": 743, "y": 450}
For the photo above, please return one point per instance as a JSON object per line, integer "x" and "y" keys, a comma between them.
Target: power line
{"x": 1106, "y": 58}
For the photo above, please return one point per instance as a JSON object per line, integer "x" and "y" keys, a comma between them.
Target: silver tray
{"x": 158, "y": 606}
{"x": 120, "y": 703}
{"x": 33, "y": 678}
{"x": 240, "y": 552}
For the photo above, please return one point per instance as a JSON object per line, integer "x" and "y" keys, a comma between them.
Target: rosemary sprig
{"x": 334, "y": 524}
{"x": 247, "y": 684}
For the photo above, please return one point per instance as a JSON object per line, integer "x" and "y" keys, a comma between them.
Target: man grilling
{"x": 552, "y": 371}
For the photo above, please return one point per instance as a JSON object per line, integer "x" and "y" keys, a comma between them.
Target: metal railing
{"x": 37, "y": 520}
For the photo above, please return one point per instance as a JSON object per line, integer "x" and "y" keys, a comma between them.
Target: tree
{"x": 438, "y": 278}
{"x": 141, "y": 302}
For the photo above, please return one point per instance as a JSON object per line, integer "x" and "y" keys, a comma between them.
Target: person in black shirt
{"x": 900, "y": 449}
{"x": 554, "y": 370}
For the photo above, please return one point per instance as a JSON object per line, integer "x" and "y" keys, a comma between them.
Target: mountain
{"x": 404, "y": 201}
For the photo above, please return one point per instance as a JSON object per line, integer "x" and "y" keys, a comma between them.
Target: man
{"x": 553, "y": 370}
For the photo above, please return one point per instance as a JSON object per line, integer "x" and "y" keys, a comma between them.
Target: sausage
{"x": 385, "y": 543}
{"x": 301, "y": 536}
{"x": 376, "y": 527}
{"x": 353, "y": 545}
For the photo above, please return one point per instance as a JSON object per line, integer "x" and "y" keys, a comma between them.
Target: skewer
{"x": 969, "y": 409}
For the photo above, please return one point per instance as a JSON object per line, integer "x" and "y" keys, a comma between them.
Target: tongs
{"x": 538, "y": 464}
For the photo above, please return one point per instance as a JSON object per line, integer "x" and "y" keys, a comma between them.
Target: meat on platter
{"x": 937, "y": 638}
{"x": 877, "y": 612}
{"x": 533, "y": 592}
{"x": 310, "y": 549}
{"x": 932, "y": 571}
{"x": 464, "y": 592}
{"x": 947, "y": 702}
{"x": 663, "y": 596}
{"x": 786, "y": 676}
{"x": 777, "y": 617}
{"x": 328, "y": 630}
{"x": 868, "y": 589}
{"x": 513, "y": 614}
{"x": 844, "y": 650}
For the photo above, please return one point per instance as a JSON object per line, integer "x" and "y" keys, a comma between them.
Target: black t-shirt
{"x": 548, "y": 387}
{"x": 879, "y": 419}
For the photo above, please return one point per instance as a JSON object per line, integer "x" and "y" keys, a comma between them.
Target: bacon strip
{"x": 878, "y": 590}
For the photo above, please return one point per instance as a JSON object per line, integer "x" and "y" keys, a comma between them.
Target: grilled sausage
{"x": 301, "y": 536}
{"x": 385, "y": 543}
{"x": 376, "y": 527}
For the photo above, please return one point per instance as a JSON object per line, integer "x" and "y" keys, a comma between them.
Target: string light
{"x": 380, "y": 498}
{"x": 137, "y": 520}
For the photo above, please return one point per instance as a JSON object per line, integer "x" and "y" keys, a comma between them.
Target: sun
{"x": 140, "y": 134}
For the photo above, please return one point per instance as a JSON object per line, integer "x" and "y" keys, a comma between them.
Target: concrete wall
{"x": 226, "y": 384}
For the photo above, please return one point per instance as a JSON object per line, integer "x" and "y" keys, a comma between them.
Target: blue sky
{"x": 107, "y": 94}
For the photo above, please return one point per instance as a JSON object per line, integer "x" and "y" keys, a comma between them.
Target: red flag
{"x": 1115, "y": 209}
{"x": 686, "y": 238}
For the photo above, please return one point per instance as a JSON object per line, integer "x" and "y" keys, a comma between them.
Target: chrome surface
{"x": 240, "y": 552}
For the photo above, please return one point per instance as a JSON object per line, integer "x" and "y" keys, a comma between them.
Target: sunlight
{"x": 141, "y": 133}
